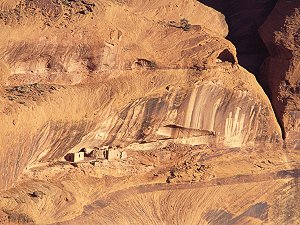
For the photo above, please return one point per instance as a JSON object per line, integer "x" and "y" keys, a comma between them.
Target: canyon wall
{"x": 131, "y": 109}
{"x": 266, "y": 37}
{"x": 80, "y": 76}
{"x": 60, "y": 44}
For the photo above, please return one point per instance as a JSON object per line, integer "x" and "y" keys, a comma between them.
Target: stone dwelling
{"x": 87, "y": 151}
{"x": 108, "y": 153}
{"x": 75, "y": 157}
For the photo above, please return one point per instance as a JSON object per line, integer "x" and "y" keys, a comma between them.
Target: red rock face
{"x": 281, "y": 34}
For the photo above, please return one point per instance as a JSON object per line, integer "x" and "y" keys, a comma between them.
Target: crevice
{"x": 244, "y": 19}
{"x": 281, "y": 125}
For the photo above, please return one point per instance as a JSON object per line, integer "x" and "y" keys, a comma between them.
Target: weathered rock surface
{"x": 60, "y": 45}
{"x": 156, "y": 79}
{"x": 281, "y": 35}
{"x": 138, "y": 73}
{"x": 132, "y": 108}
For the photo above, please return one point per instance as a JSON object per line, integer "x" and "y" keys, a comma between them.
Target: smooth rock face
{"x": 281, "y": 34}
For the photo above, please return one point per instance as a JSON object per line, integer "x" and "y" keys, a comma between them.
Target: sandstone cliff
{"x": 159, "y": 80}
{"x": 131, "y": 79}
